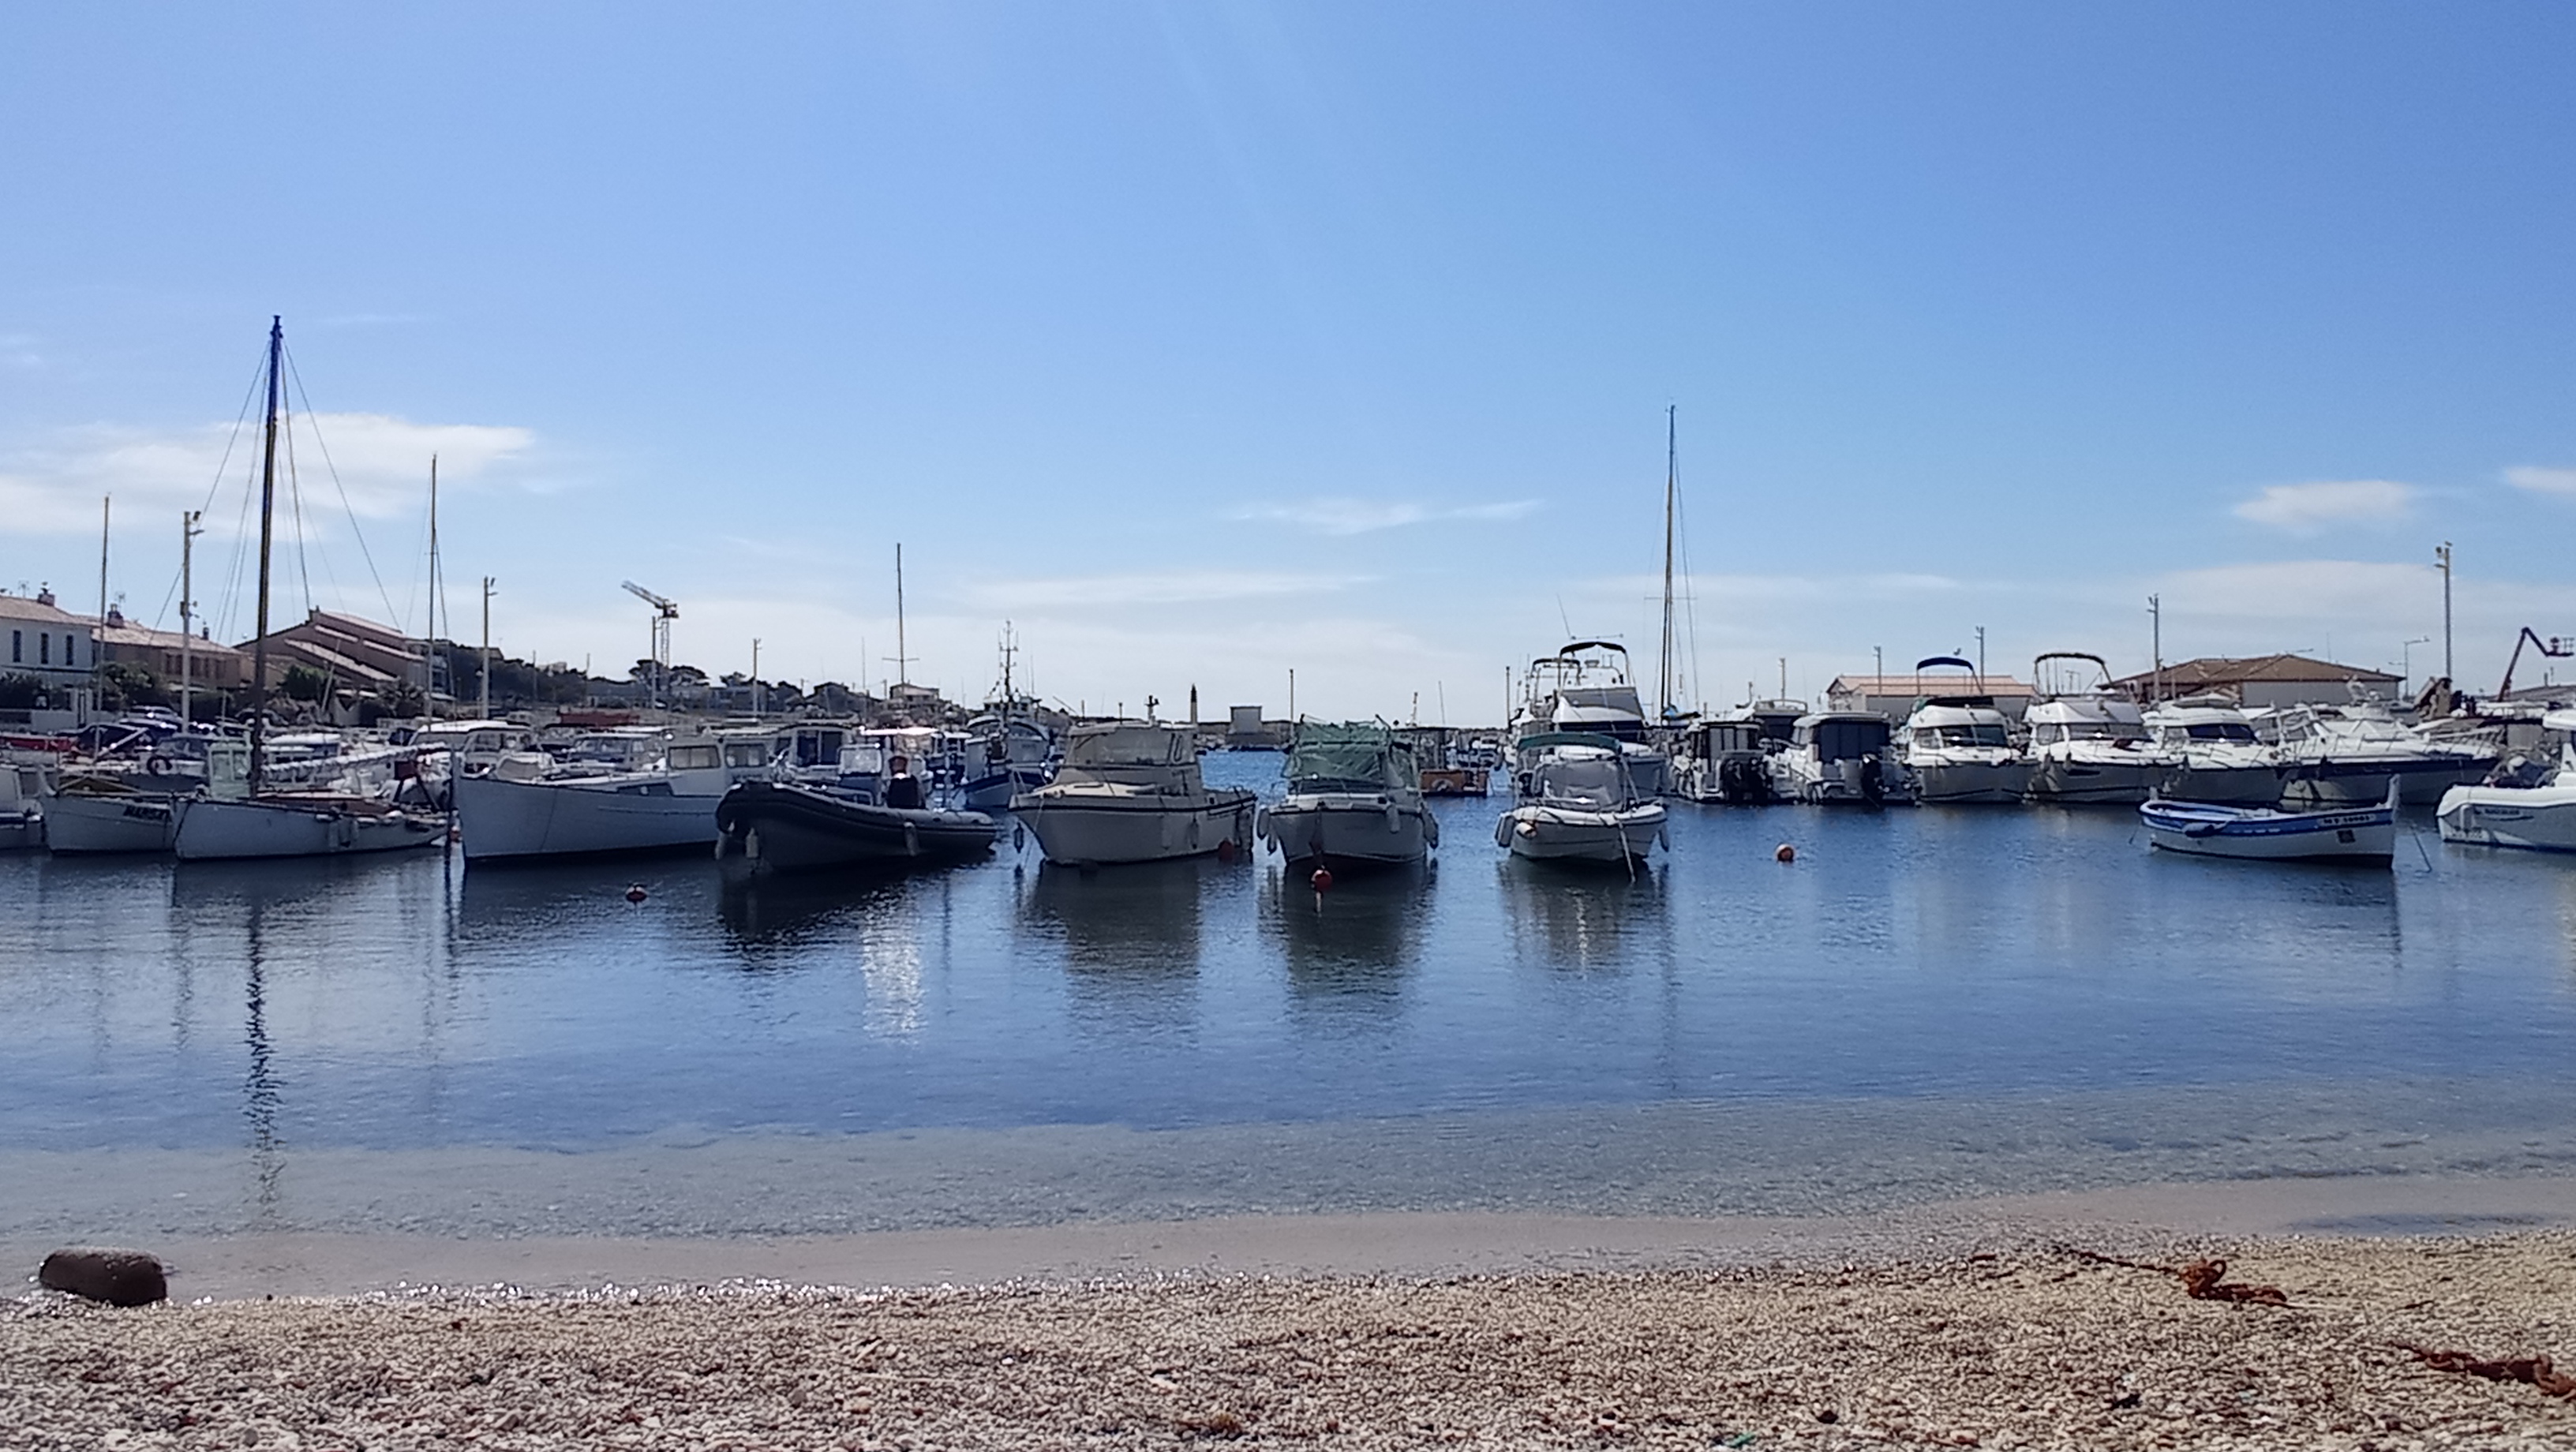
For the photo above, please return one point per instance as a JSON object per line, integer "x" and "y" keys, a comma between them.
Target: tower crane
{"x": 664, "y": 612}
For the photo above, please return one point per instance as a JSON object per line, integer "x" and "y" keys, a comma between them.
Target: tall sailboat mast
{"x": 432, "y": 629}
{"x": 1672, "y": 480}
{"x": 267, "y": 519}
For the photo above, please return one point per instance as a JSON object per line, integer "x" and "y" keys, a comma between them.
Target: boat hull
{"x": 992, "y": 791}
{"x": 79, "y": 825}
{"x": 1344, "y": 834}
{"x": 1084, "y": 829}
{"x": 2540, "y": 819}
{"x": 1959, "y": 783}
{"x": 2363, "y": 779}
{"x": 2075, "y": 781}
{"x": 232, "y": 831}
{"x": 1562, "y": 834}
{"x": 770, "y": 827}
{"x": 499, "y": 820}
{"x": 2365, "y": 834}
{"x": 2242, "y": 784}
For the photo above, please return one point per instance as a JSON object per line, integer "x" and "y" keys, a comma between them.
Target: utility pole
{"x": 2442, "y": 552}
{"x": 487, "y": 647}
{"x": 1878, "y": 669}
{"x": 1292, "y": 698}
{"x": 105, "y": 503}
{"x": 1981, "y": 655}
{"x": 756, "y": 692}
{"x": 2156, "y": 615}
{"x": 188, "y": 532}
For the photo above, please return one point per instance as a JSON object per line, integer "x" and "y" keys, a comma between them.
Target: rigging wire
{"x": 315, "y": 423}
{"x": 295, "y": 502}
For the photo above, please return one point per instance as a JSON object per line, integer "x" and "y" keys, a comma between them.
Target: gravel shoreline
{"x": 2028, "y": 1346}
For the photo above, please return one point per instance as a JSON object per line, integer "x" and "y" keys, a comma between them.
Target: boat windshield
{"x": 1597, "y": 782}
{"x": 2102, "y": 731}
{"x": 2221, "y": 731}
{"x": 1977, "y": 735}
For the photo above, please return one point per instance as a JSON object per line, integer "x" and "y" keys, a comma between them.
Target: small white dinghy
{"x": 2268, "y": 834}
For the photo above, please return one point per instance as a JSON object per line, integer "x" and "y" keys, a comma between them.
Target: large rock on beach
{"x": 118, "y": 1277}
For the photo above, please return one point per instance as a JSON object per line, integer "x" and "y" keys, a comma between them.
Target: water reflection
{"x": 1141, "y": 920}
{"x": 260, "y": 1090}
{"x": 1582, "y": 919}
{"x": 1357, "y": 939}
{"x": 789, "y": 912}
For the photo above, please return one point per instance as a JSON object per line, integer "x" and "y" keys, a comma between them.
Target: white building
{"x": 44, "y": 641}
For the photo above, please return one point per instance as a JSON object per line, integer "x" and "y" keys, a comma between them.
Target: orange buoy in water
{"x": 1322, "y": 879}
{"x": 636, "y": 893}
{"x": 1784, "y": 853}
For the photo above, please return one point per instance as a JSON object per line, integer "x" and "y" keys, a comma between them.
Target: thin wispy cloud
{"x": 1340, "y": 516}
{"x": 381, "y": 461}
{"x": 2306, "y": 508}
{"x": 2541, "y": 481}
{"x": 1184, "y": 587}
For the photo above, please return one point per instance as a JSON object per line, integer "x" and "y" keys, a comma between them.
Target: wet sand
{"x": 1963, "y": 1323}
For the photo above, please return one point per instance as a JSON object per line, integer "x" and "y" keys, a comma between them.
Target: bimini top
{"x": 1129, "y": 743}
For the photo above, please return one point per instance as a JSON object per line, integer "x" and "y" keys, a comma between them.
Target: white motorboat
{"x": 504, "y": 812}
{"x": 1841, "y": 758}
{"x": 1581, "y": 805}
{"x": 2088, "y": 745}
{"x": 239, "y": 816}
{"x": 25, "y": 781}
{"x": 1130, "y": 791}
{"x": 1725, "y": 759}
{"x": 2218, "y": 757}
{"x": 1005, "y": 756}
{"x": 1585, "y": 687}
{"x": 2524, "y": 803}
{"x": 1958, "y": 747}
{"x": 2352, "y": 752}
{"x": 1354, "y": 801}
{"x": 2270, "y": 834}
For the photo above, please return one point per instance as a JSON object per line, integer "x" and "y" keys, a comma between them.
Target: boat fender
{"x": 1322, "y": 881}
{"x": 1502, "y": 831}
{"x": 1261, "y": 824}
{"x": 1528, "y": 829}
{"x": 1664, "y": 836}
{"x": 1194, "y": 833}
{"x": 1019, "y": 837}
{"x": 911, "y": 840}
{"x": 1394, "y": 822}
{"x": 1430, "y": 830}
{"x": 157, "y": 765}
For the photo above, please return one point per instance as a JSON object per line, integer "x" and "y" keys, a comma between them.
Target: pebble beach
{"x": 2026, "y": 1345}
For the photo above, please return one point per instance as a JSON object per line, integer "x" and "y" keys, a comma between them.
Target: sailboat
{"x": 238, "y": 816}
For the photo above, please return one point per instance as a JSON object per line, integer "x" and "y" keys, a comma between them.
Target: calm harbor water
{"x": 2013, "y": 975}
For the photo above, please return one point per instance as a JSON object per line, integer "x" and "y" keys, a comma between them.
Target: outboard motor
{"x": 1873, "y": 781}
{"x": 1743, "y": 782}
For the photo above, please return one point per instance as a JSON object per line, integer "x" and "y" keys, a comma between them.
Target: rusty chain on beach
{"x": 2534, "y": 1371}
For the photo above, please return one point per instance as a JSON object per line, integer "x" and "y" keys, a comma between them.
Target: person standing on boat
{"x": 902, "y": 788}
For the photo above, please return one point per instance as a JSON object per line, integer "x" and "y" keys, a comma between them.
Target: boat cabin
{"x": 1588, "y": 777}
{"x": 1841, "y": 735}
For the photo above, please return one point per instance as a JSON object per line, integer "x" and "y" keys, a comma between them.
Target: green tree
{"x": 303, "y": 683}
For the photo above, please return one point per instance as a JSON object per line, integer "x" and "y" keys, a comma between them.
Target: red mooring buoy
{"x": 636, "y": 893}
{"x": 1322, "y": 879}
{"x": 1784, "y": 853}
{"x": 1225, "y": 850}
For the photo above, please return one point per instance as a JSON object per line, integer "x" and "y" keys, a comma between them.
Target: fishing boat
{"x": 2270, "y": 834}
{"x": 1008, "y": 750}
{"x": 1580, "y": 805}
{"x": 1130, "y": 791}
{"x": 524, "y": 806}
{"x": 240, "y": 816}
{"x": 2523, "y": 803}
{"x": 786, "y": 826}
{"x": 1354, "y": 801}
{"x": 1584, "y": 688}
{"x": 1958, "y": 746}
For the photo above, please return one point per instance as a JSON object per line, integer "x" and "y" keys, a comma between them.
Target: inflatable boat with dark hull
{"x": 767, "y": 826}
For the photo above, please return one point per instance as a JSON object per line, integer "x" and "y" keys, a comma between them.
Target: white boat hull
{"x": 85, "y": 824}
{"x": 993, "y": 790}
{"x": 2242, "y": 784}
{"x": 2081, "y": 781}
{"x": 1946, "y": 783}
{"x": 505, "y": 819}
{"x": 2542, "y": 819}
{"x": 1566, "y": 834}
{"x": 226, "y": 831}
{"x": 1343, "y": 832}
{"x": 1082, "y": 829}
{"x": 2359, "y": 779}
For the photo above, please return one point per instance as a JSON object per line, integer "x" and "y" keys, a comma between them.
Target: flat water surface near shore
{"x": 2016, "y": 989}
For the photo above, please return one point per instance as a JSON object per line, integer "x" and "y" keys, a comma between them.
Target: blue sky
{"x": 1208, "y": 341}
